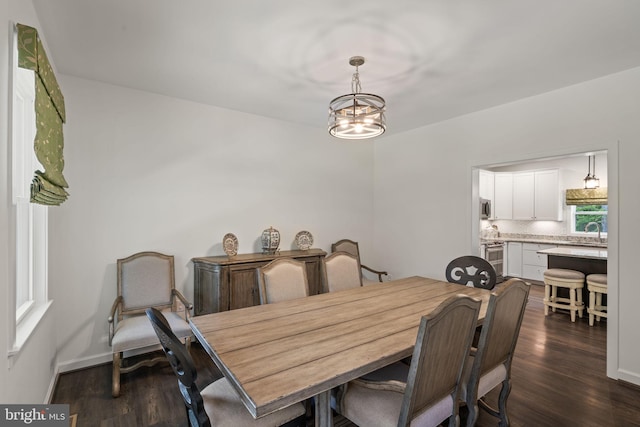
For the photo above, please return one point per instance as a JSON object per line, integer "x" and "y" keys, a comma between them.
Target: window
{"x": 31, "y": 220}
{"x": 583, "y": 215}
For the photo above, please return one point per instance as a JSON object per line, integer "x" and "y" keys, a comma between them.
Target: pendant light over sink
{"x": 357, "y": 115}
{"x": 590, "y": 181}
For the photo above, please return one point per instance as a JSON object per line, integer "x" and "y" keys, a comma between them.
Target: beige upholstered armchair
{"x": 351, "y": 247}
{"x": 282, "y": 279}
{"x": 340, "y": 271}
{"x": 145, "y": 279}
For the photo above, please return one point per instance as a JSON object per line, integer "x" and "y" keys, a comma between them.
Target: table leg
{"x": 324, "y": 416}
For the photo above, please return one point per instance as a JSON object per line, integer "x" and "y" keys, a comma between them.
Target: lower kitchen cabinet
{"x": 524, "y": 261}
{"x": 533, "y": 263}
{"x": 224, "y": 283}
{"x": 514, "y": 259}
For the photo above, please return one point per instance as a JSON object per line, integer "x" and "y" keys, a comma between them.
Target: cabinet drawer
{"x": 533, "y": 272}
{"x": 534, "y": 258}
{"x": 537, "y": 246}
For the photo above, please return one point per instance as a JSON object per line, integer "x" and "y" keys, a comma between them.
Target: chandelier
{"x": 357, "y": 115}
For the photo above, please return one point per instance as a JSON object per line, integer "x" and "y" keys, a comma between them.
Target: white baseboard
{"x": 630, "y": 377}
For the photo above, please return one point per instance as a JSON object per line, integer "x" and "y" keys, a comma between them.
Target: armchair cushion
{"x": 136, "y": 331}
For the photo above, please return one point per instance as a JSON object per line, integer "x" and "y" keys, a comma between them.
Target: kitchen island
{"x": 583, "y": 259}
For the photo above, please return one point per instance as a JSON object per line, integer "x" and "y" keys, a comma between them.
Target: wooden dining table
{"x": 279, "y": 354}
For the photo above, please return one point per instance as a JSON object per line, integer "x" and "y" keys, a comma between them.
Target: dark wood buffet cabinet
{"x": 227, "y": 283}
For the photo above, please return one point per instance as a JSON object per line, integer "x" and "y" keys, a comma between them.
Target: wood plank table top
{"x": 278, "y": 354}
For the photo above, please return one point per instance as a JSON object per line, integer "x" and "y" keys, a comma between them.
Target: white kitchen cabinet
{"x": 514, "y": 259}
{"x": 536, "y": 195}
{"x": 524, "y": 195}
{"x": 548, "y": 197}
{"x": 485, "y": 185}
{"x": 533, "y": 263}
{"x": 503, "y": 196}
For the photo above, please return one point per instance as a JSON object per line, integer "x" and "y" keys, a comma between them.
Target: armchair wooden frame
{"x": 349, "y": 246}
{"x": 123, "y": 309}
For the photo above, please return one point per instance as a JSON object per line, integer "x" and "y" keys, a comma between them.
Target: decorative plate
{"x": 230, "y": 244}
{"x": 304, "y": 240}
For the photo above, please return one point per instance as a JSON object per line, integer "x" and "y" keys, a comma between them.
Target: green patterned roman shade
{"x": 49, "y": 186}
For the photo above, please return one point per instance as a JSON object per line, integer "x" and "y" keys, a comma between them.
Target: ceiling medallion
{"x": 357, "y": 115}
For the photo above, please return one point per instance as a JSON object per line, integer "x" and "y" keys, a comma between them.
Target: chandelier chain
{"x": 355, "y": 82}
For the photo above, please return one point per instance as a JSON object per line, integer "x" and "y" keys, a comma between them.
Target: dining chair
{"x": 426, "y": 392}
{"x": 144, "y": 279}
{"x": 218, "y": 404}
{"x": 473, "y": 270}
{"x": 351, "y": 247}
{"x": 490, "y": 363}
{"x": 340, "y": 271}
{"x": 282, "y": 279}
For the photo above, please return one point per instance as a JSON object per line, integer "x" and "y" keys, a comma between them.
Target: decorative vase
{"x": 270, "y": 240}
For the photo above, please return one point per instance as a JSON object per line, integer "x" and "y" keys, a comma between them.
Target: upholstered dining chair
{"x": 490, "y": 363}
{"x": 427, "y": 392}
{"x": 340, "y": 271}
{"x": 349, "y": 246}
{"x": 218, "y": 404}
{"x": 145, "y": 279}
{"x": 282, "y": 279}
{"x": 471, "y": 269}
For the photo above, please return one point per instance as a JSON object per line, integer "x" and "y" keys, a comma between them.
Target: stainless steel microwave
{"x": 485, "y": 208}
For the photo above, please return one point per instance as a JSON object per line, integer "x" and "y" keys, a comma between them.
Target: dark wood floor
{"x": 558, "y": 380}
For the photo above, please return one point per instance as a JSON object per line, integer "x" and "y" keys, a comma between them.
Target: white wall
{"x": 423, "y": 186}
{"x": 26, "y": 378}
{"x": 148, "y": 172}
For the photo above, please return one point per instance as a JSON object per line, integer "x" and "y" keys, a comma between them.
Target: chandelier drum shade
{"x": 357, "y": 115}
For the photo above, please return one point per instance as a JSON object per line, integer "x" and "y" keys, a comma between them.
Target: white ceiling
{"x": 431, "y": 60}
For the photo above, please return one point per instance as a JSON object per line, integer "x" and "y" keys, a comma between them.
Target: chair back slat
{"x": 471, "y": 270}
{"x": 183, "y": 366}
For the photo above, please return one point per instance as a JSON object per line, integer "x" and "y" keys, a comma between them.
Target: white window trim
{"x": 572, "y": 226}
{"x": 31, "y": 262}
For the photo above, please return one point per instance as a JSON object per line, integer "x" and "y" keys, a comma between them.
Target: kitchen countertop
{"x": 546, "y": 241}
{"x": 576, "y": 252}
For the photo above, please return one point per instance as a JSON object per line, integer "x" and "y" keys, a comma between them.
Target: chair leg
{"x": 502, "y": 403}
{"x": 591, "y": 307}
{"x": 115, "y": 386}
{"x": 472, "y": 416}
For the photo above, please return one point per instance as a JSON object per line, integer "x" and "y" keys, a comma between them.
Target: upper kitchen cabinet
{"x": 536, "y": 195}
{"x": 485, "y": 185}
{"x": 503, "y": 196}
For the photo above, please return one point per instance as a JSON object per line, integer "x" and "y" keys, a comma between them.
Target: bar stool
{"x": 597, "y": 285}
{"x": 555, "y": 278}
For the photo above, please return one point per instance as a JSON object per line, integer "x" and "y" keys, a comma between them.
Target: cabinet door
{"x": 548, "y": 205}
{"x": 514, "y": 259}
{"x": 486, "y": 185}
{"x": 503, "y": 196}
{"x": 243, "y": 286}
{"x": 523, "y": 195}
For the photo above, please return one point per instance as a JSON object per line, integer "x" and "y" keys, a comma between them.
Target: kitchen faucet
{"x": 586, "y": 228}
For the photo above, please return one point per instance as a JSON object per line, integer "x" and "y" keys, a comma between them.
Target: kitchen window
{"x": 582, "y": 215}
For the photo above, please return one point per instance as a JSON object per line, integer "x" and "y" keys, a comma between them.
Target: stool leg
{"x": 554, "y": 296}
{"x": 580, "y": 302}
{"x": 572, "y": 304}
{"x": 592, "y": 304}
{"x": 598, "y": 304}
{"x": 547, "y": 291}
